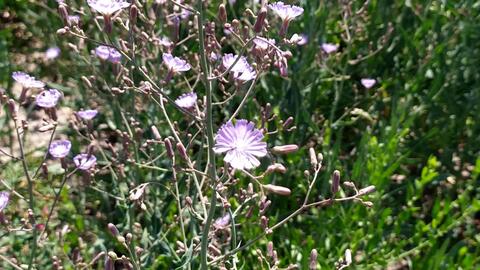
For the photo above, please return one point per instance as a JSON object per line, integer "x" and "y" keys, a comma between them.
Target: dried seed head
{"x": 335, "y": 182}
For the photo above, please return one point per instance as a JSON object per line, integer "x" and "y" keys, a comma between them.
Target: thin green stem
{"x": 210, "y": 140}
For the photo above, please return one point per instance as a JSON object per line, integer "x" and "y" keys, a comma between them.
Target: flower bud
{"x": 112, "y": 255}
{"x": 12, "y": 108}
{"x": 109, "y": 264}
{"x": 285, "y": 149}
{"x": 270, "y": 249}
{"x": 278, "y": 189}
{"x": 262, "y": 14}
{"x": 222, "y": 13}
{"x": 169, "y": 147}
{"x": 349, "y": 184}
{"x": 368, "y": 204}
{"x": 277, "y": 167}
{"x": 62, "y": 10}
{"x": 87, "y": 82}
{"x": 313, "y": 260}
{"x": 107, "y": 24}
{"x": 335, "y": 182}
{"x": 287, "y": 122}
{"x": 133, "y": 15}
{"x": 264, "y": 222}
{"x": 61, "y": 31}
{"x": 182, "y": 151}
{"x": 348, "y": 257}
{"x": 367, "y": 190}
{"x": 113, "y": 229}
{"x": 313, "y": 157}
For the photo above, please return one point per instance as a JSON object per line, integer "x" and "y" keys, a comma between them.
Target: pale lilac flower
{"x": 26, "y": 80}
{"x": 368, "y": 82}
{"x": 242, "y": 70}
{"x": 187, "y": 101}
{"x": 175, "y": 64}
{"x": 107, "y": 7}
{"x": 48, "y": 98}
{"x": 243, "y": 144}
{"x": 4, "y": 198}
{"x": 329, "y": 47}
{"x": 60, "y": 148}
{"x": 108, "y": 53}
{"x": 87, "y": 114}
{"x": 74, "y": 19}
{"x": 52, "y": 53}
{"x": 84, "y": 161}
{"x": 299, "y": 39}
{"x": 165, "y": 41}
{"x": 261, "y": 43}
{"x": 286, "y": 12}
{"x": 222, "y": 222}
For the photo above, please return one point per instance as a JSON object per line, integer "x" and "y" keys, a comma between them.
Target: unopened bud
{"x": 133, "y": 14}
{"x": 313, "y": 260}
{"x": 278, "y": 189}
{"x": 169, "y": 148}
{"x": 277, "y": 167}
{"x": 270, "y": 249}
{"x": 264, "y": 222}
{"x": 313, "y": 157}
{"x": 262, "y": 14}
{"x": 109, "y": 264}
{"x": 335, "y": 182}
{"x": 87, "y": 82}
{"x": 222, "y": 13}
{"x": 368, "y": 204}
{"x": 349, "y": 184}
{"x": 113, "y": 229}
{"x": 129, "y": 237}
{"x": 367, "y": 190}
{"x": 348, "y": 257}
{"x": 285, "y": 149}
{"x": 112, "y": 255}
{"x": 182, "y": 151}
{"x": 155, "y": 133}
{"x": 12, "y": 108}
{"x": 61, "y": 31}
{"x": 121, "y": 239}
{"x": 287, "y": 122}
{"x": 62, "y": 10}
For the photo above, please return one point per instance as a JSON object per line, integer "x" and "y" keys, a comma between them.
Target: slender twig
{"x": 240, "y": 106}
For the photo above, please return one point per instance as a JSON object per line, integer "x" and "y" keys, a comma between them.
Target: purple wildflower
{"x": 263, "y": 43}
{"x": 243, "y": 144}
{"x": 108, "y": 53}
{"x": 26, "y": 80}
{"x": 286, "y": 12}
{"x": 74, "y": 19}
{"x": 368, "y": 82}
{"x": 222, "y": 222}
{"x": 165, "y": 41}
{"x": 87, "y": 114}
{"x": 187, "y": 101}
{"x": 329, "y": 47}
{"x": 4, "y": 198}
{"x": 299, "y": 39}
{"x": 48, "y": 98}
{"x": 175, "y": 64}
{"x": 84, "y": 161}
{"x": 60, "y": 148}
{"x": 242, "y": 70}
{"x": 107, "y": 7}
{"x": 52, "y": 53}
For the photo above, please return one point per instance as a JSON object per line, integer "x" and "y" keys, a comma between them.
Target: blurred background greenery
{"x": 415, "y": 136}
